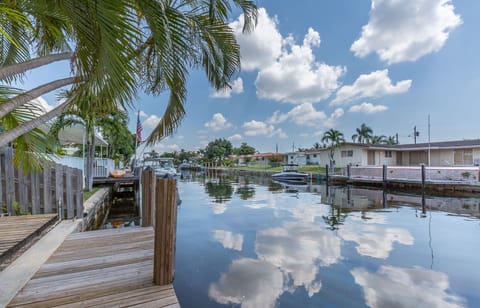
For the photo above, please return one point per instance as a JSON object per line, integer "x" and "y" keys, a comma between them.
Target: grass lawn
{"x": 305, "y": 168}
{"x": 88, "y": 194}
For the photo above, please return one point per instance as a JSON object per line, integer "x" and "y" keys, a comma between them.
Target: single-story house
{"x": 263, "y": 159}
{"x": 445, "y": 153}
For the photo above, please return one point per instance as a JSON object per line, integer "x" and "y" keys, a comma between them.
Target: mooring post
{"x": 348, "y": 171}
{"x": 165, "y": 231}
{"x": 326, "y": 174}
{"x": 148, "y": 196}
{"x": 423, "y": 177}
{"x": 384, "y": 176}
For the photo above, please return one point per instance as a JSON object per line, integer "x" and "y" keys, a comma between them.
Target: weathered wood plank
{"x": 59, "y": 202}
{"x": 119, "y": 273}
{"x": 47, "y": 188}
{"x": 69, "y": 193}
{"x": 35, "y": 187}
{"x": 10, "y": 184}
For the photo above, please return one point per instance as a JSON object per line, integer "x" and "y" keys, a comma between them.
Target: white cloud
{"x": 218, "y": 122}
{"x": 236, "y": 88}
{"x": 421, "y": 287}
{"x": 260, "y": 48}
{"x": 375, "y": 84}
{"x": 367, "y": 108}
{"x": 287, "y": 72}
{"x": 228, "y": 239}
{"x": 151, "y": 121}
{"x": 251, "y": 283}
{"x": 258, "y": 128}
{"x": 42, "y": 104}
{"x": 298, "y": 248}
{"x": 143, "y": 114}
{"x": 406, "y": 30}
{"x": 306, "y": 115}
{"x": 236, "y": 137}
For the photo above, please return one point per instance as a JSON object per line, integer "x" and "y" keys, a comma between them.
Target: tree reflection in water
{"x": 220, "y": 191}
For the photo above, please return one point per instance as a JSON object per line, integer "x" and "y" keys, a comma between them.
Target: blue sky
{"x": 314, "y": 65}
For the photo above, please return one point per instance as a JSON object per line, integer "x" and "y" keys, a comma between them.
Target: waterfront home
{"x": 262, "y": 159}
{"x": 444, "y": 154}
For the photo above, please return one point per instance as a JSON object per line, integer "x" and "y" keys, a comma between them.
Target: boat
{"x": 291, "y": 174}
{"x": 163, "y": 166}
{"x": 117, "y": 173}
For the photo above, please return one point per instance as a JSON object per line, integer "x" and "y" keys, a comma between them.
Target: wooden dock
{"x": 17, "y": 231}
{"x": 111, "y": 267}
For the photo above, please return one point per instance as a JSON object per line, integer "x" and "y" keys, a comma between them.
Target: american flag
{"x": 139, "y": 129}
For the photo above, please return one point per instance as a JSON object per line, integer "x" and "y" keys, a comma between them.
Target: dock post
{"x": 326, "y": 174}
{"x": 384, "y": 176}
{"x": 165, "y": 231}
{"x": 148, "y": 196}
{"x": 423, "y": 177}
{"x": 349, "y": 171}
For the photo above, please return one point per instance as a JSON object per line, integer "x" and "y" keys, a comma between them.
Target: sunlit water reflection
{"x": 252, "y": 243}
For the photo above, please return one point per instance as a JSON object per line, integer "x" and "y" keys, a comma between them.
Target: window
{"x": 347, "y": 153}
{"x": 308, "y": 156}
{"x": 463, "y": 157}
{"x": 388, "y": 154}
{"x": 314, "y": 155}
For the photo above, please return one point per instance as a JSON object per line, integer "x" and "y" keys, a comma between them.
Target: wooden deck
{"x": 99, "y": 269}
{"x": 16, "y": 231}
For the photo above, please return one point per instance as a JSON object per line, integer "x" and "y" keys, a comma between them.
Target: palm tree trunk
{"x": 90, "y": 157}
{"x": 15, "y": 69}
{"x": 18, "y": 131}
{"x": 23, "y": 98}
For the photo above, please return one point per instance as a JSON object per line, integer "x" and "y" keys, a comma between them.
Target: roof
{"x": 471, "y": 143}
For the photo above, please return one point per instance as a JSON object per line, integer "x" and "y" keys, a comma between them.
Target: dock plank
{"x": 16, "y": 231}
{"x": 102, "y": 268}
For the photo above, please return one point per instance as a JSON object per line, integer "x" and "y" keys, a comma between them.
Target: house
{"x": 445, "y": 153}
{"x": 264, "y": 159}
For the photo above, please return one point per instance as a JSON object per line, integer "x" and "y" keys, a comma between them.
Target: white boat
{"x": 291, "y": 174}
{"x": 163, "y": 166}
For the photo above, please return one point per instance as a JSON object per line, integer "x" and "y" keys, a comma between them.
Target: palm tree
{"x": 391, "y": 140}
{"x": 126, "y": 46}
{"x": 363, "y": 134}
{"x": 378, "y": 139}
{"x": 334, "y": 138}
{"x": 317, "y": 145}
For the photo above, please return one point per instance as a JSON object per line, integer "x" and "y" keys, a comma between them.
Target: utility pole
{"x": 415, "y": 134}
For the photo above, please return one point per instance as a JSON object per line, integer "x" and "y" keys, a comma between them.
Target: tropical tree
{"x": 391, "y": 140}
{"x": 244, "y": 149}
{"x": 378, "y": 139}
{"x": 363, "y": 134}
{"x": 80, "y": 114}
{"x": 333, "y": 138}
{"x": 126, "y": 46}
{"x": 317, "y": 146}
{"x": 218, "y": 149}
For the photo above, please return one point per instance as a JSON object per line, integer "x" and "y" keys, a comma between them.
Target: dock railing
{"x": 54, "y": 189}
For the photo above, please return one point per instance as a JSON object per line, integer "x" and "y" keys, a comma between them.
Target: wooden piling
{"x": 384, "y": 177}
{"x": 148, "y": 196}
{"x": 326, "y": 174}
{"x": 165, "y": 231}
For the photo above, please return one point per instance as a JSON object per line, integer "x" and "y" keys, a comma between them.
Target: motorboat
{"x": 291, "y": 174}
{"x": 163, "y": 166}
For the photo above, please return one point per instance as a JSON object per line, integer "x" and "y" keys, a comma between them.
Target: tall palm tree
{"x": 333, "y": 138}
{"x": 363, "y": 134}
{"x": 126, "y": 46}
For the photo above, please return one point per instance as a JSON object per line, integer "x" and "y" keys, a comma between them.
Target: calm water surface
{"x": 241, "y": 242}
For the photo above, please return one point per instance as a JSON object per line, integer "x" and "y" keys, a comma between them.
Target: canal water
{"x": 250, "y": 242}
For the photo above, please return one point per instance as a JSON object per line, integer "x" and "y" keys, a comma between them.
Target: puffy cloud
{"x": 375, "y": 241}
{"x": 235, "y": 137}
{"x": 297, "y": 248}
{"x": 228, "y": 239}
{"x": 218, "y": 122}
{"x": 41, "y": 103}
{"x": 236, "y": 88}
{"x": 152, "y": 121}
{"x": 288, "y": 72}
{"x": 375, "y": 84}
{"x": 263, "y": 46}
{"x": 249, "y": 282}
{"x": 306, "y": 115}
{"x": 367, "y": 108}
{"x": 258, "y": 128}
{"x": 420, "y": 288}
{"x": 143, "y": 114}
{"x": 406, "y": 30}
